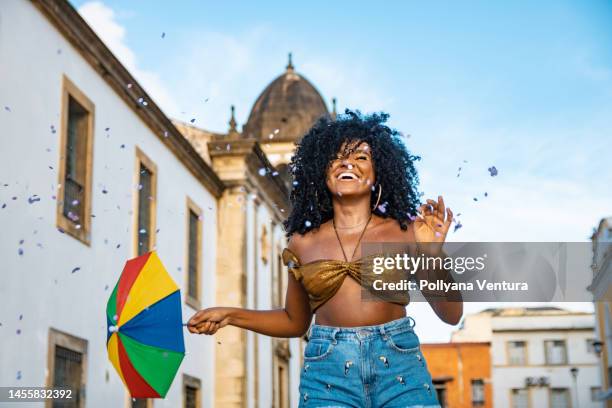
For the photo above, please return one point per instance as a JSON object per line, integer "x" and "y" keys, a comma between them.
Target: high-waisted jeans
{"x": 378, "y": 366}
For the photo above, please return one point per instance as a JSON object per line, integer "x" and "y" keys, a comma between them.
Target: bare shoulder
{"x": 390, "y": 228}
{"x": 299, "y": 243}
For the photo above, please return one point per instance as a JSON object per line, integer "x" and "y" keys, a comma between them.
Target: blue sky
{"x": 524, "y": 86}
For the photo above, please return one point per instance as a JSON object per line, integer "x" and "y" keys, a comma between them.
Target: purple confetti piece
{"x": 78, "y": 268}
{"x": 118, "y": 245}
{"x": 104, "y": 191}
{"x": 21, "y": 241}
{"x": 4, "y": 205}
{"x": 192, "y": 120}
{"x": 105, "y": 287}
{"x": 122, "y": 146}
{"x": 163, "y": 35}
{"x": 14, "y": 198}
{"x": 106, "y": 129}
{"x": 33, "y": 199}
{"x": 457, "y": 226}
{"x": 493, "y": 171}
{"x": 475, "y": 199}
{"x": 6, "y": 108}
{"x": 61, "y": 230}
{"x": 20, "y": 251}
{"x": 18, "y": 331}
{"x": 20, "y": 317}
{"x": 486, "y": 194}
{"x": 19, "y": 375}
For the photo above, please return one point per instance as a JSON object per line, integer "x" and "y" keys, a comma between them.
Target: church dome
{"x": 286, "y": 109}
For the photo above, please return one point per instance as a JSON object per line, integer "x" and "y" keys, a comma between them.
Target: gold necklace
{"x": 353, "y": 226}
{"x": 358, "y": 241}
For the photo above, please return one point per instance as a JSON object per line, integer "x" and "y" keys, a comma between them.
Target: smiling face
{"x": 352, "y": 172}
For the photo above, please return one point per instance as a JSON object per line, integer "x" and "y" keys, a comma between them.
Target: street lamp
{"x": 574, "y": 372}
{"x": 597, "y": 347}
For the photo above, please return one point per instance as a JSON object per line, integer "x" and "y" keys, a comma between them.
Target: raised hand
{"x": 432, "y": 224}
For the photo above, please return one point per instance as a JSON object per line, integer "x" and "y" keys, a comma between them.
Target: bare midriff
{"x": 347, "y": 308}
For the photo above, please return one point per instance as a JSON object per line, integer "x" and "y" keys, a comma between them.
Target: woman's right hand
{"x": 208, "y": 321}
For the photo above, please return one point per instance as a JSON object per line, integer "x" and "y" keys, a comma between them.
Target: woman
{"x": 354, "y": 182}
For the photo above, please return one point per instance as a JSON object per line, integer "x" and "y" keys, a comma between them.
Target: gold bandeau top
{"x": 322, "y": 278}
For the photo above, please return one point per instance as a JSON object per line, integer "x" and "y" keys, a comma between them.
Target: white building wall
{"x": 39, "y": 284}
{"x": 507, "y": 377}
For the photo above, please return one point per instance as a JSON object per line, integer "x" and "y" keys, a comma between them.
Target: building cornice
{"x": 74, "y": 28}
{"x": 271, "y": 188}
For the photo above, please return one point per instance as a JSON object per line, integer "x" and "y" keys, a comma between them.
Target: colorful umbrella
{"x": 145, "y": 332}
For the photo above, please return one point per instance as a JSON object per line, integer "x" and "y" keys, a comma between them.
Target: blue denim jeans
{"x": 378, "y": 366}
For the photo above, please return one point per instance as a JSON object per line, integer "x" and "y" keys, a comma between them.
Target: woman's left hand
{"x": 432, "y": 224}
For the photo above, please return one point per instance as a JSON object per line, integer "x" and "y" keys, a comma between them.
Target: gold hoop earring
{"x": 378, "y": 199}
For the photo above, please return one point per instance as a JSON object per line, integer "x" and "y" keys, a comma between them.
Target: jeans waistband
{"x": 402, "y": 324}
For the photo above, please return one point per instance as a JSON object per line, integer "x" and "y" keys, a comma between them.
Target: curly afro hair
{"x": 394, "y": 165}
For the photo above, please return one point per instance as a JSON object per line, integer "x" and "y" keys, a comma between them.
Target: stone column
{"x": 230, "y": 355}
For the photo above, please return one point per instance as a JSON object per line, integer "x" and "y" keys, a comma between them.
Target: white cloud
{"x": 235, "y": 68}
{"x": 103, "y": 21}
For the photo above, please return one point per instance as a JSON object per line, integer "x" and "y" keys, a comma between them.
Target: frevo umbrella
{"x": 145, "y": 332}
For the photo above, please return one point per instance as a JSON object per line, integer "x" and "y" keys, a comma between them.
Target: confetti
{"x": 486, "y": 194}
{"x": 18, "y": 331}
{"x": 206, "y": 100}
{"x": 475, "y": 199}
{"x": 6, "y": 108}
{"x": 33, "y": 199}
{"x": 493, "y": 171}
{"x": 275, "y": 173}
{"x": 262, "y": 171}
{"x": 20, "y": 251}
{"x": 14, "y": 198}
{"x": 105, "y": 287}
{"x": 52, "y": 129}
{"x": 4, "y": 205}
{"x": 21, "y": 241}
{"x": 163, "y": 35}
{"x": 307, "y": 223}
{"x": 122, "y": 146}
{"x": 78, "y": 268}
{"x": 104, "y": 191}
{"x": 118, "y": 245}
{"x": 106, "y": 129}
{"x": 192, "y": 120}
{"x": 20, "y": 317}
{"x": 18, "y": 373}
{"x": 457, "y": 226}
